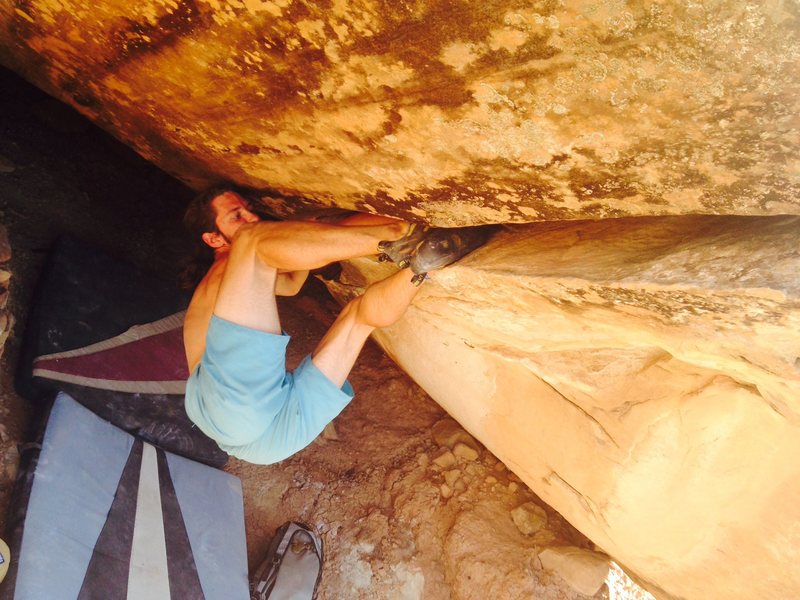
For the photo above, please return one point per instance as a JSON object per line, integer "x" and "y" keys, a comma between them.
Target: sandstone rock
{"x": 5, "y": 247}
{"x": 541, "y": 113}
{"x": 474, "y": 470}
{"x": 6, "y": 323}
{"x": 330, "y": 433}
{"x": 640, "y": 376}
{"x": 452, "y": 476}
{"x": 584, "y": 570}
{"x": 461, "y": 450}
{"x": 529, "y": 518}
{"x": 545, "y": 537}
{"x": 444, "y": 459}
{"x": 448, "y": 432}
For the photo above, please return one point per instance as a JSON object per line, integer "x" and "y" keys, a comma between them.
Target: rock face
{"x": 6, "y": 319}
{"x": 442, "y": 111}
{"x": 641, "y": 376}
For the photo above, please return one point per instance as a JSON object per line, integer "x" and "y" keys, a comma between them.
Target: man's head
{"x": 217, "y": 214}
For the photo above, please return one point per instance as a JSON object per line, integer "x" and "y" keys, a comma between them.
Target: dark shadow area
{"x": 62, "y": 175}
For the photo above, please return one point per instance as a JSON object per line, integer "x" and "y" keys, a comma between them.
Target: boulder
{"x": 584, "y": 570}
{"x": 529, "y": 518}
{"x": 451, "y": 113}
{"x": 641, "y": 376}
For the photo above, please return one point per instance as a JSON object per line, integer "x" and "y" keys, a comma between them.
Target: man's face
{"x": 232, "y": 212}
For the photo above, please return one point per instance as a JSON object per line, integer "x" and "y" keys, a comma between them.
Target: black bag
{"x": 293, "y": 565}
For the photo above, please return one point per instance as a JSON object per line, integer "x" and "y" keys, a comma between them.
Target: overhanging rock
{"x": 447, "y": 112}
{"x": 642, "y": 376}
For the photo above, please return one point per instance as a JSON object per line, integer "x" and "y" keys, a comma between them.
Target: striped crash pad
{"x": 110, "y": 335}
{"x": 112, "y": 517}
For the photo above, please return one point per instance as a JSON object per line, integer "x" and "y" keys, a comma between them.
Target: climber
{"x": 239, "y": 392}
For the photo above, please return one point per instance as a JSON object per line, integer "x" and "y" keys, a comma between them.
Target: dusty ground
{"x": 395, "y": 523}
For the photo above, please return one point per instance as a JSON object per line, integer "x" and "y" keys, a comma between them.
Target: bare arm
{"x": 289, "y": 283}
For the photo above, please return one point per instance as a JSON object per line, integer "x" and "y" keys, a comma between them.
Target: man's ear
{"x": 214, "y": 239}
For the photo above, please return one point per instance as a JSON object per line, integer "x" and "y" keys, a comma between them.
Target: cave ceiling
{"x": 448, "y": 112}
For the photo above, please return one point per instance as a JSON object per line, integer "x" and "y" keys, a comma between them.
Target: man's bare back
{"x": 198, "y": 315}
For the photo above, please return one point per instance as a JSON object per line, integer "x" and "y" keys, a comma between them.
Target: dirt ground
{"x": 396, "y": 524}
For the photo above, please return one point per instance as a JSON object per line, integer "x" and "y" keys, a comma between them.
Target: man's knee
{"x": 245, "y": 239}
{"x": 370, "y": 314}
{"x": 247, "y": 246}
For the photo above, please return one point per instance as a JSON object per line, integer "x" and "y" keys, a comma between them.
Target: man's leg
{"x": 381, "y": 305}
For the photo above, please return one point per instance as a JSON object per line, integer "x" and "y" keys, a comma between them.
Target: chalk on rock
{"x": 584, "y": 570}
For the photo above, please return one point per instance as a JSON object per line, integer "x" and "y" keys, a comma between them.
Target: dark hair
{"x": 198, "y": 219}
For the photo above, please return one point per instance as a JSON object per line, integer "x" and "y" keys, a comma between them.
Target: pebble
{"x": 452, "y": 476}
{"x": 463, "y": 451}
{"x": 513, "y": 487}
{"x": 474, "y": 469}
{"x": 584, "y": 570}
{"x": 446, "y": 490}
{"x": 329, "y": 433}
{"x": 448, "y": 432}
{"x": 445, "y": 459}
{"x": 490, "y": 479}
{"x": 529, "y": 518}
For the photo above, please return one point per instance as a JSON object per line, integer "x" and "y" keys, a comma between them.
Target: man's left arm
{"x": 290, "y": 282}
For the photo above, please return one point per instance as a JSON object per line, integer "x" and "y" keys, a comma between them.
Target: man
{"x": 239, "y": 392}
